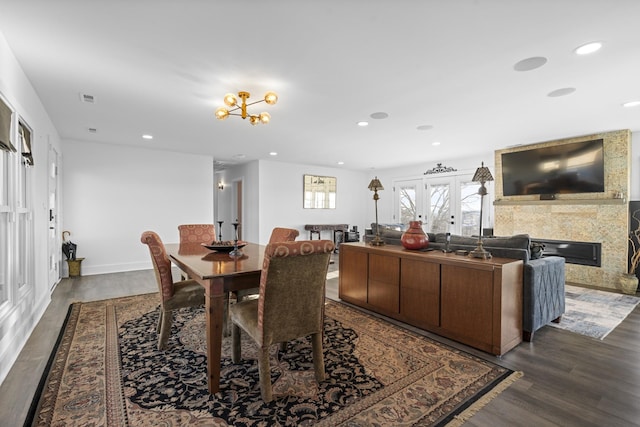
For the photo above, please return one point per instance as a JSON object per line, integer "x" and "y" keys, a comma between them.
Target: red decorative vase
{"x": 414, "y": 238}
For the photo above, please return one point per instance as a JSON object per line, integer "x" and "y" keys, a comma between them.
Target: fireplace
{"x": 582, "y": 253}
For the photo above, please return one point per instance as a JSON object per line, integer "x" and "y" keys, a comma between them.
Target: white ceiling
{"x": 162, "y": 67}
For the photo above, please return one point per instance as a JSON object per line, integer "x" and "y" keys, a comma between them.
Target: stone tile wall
{"x": 587, "y": 217}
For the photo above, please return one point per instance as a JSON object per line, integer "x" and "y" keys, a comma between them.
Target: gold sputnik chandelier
{"x": 231, "y": 100}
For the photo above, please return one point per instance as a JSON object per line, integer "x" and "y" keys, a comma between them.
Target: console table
{"x": 336, "y": 228}
{"x": 474, "y": 301}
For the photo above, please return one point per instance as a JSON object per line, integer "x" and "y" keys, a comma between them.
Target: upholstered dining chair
{"x": 173, "y": 295}
{"x": 290, "y": 304}
{"x": 197, "y": 233}
{"x": 280, "y": 234}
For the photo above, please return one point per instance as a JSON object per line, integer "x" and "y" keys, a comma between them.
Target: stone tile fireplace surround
{"x": 586, "y": 217}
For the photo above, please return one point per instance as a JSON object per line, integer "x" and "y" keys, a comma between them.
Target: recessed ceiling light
{"x": 530, "y": 63}
{"x": 363, "y": 124}
{"x": 588, "y": 48}
{"x": 561, "y": 92}
{"x": 273, "y": 153}
{"x": 341, "y": 163}
{"x": 147, "y": 136}
{"x": 239, "y": 156}
{"x": 435, "y": 143}
{"x": 631, "y": 104}
{"x": 424, "y": 127}
{"x": 379, "y": 115}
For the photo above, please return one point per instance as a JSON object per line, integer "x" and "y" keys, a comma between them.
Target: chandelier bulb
{"x": 265, "y": 118}
{"x": 222, "y": 113}
{"x": 230, "y": 100}
{"x": 254, "y": 120}
{"x": 271, "y": 98}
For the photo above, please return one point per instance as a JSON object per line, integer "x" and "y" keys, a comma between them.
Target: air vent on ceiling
{"x": 89, "y": 99}
{"x": 93, "y": 130}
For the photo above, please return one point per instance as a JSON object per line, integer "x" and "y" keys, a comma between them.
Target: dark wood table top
{"x": 206, "y": 264}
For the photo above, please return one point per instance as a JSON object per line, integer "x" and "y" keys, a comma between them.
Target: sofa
{"x": 544, "y": 277}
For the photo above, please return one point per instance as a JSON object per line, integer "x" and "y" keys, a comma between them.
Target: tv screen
{"x": 560, "y": 169}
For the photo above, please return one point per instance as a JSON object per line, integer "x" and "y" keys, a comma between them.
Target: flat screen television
{"x": 576, "y": 167}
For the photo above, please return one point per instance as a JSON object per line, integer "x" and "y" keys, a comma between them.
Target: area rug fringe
{"x": 476, "y": 406}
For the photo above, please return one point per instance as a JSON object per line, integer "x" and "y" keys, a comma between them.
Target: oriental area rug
{"x": 107, "y": 371}
{"x": 594, "y": 313}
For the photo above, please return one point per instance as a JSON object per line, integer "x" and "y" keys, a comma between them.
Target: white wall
{"x": 20, "y": 314}
{"x": 113, "y": 193}
{"x": 273, "y": 198}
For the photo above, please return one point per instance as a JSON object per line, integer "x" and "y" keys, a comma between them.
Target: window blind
{"x": 5, "y": 127}
{"x": 25, "y": 136}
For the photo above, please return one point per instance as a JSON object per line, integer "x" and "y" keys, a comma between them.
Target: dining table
{"x": 220, "y": 273}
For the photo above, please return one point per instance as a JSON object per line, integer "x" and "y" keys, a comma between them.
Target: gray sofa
{"x": 544, "y": 277}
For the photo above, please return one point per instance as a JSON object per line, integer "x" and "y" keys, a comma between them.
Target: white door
{"x": 441, "y": 205}
{"x": 408, "y": 200}
{"x": 55, "y": 240}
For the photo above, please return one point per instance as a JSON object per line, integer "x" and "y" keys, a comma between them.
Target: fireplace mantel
{"x": 598, "y": 217}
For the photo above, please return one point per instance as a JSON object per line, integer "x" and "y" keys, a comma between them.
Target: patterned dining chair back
{"x": 280, "y": 234}
{"x": 290, "y": 304}
{"x": 197, "y": 233}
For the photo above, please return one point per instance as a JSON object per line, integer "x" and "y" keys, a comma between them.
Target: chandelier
{"x": 231, "y": 100}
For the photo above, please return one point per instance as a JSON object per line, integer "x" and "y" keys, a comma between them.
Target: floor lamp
{"x": 374, "y": 186}
{"x": 482, "y": 175}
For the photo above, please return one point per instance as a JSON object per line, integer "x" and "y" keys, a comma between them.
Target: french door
{"x": 448, "y": 204}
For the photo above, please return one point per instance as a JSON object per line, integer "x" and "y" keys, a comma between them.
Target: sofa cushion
{"x": 391, "y": 234}
{"x": 518, "y": 241}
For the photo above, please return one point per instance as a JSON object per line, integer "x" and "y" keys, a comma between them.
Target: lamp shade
{"x": 375, "y": 185}
{"x": 483, "y": 174}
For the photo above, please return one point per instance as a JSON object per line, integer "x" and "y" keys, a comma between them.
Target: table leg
{"x": 214, "y": 308}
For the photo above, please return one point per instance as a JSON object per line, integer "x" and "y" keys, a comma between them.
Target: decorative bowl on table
{"x": 224, "y": 246}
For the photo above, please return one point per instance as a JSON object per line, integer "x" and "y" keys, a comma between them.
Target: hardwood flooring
{"x": 569, "y": 380}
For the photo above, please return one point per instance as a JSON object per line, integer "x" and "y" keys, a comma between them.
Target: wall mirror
{"x": 319, "y": 192}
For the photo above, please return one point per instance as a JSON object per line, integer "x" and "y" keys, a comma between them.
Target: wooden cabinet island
{"x": 473, "y": 301}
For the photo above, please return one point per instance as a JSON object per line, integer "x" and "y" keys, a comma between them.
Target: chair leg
{"x": 265, "y": 375}
{"x": 236, "y": 343}
{"x": 165, "y": 328}
{"x": 226, "y": 320}
{"x": 159, "y": 320}
{"x": 318, "y": 356}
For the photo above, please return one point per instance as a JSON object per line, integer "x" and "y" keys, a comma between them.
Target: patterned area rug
{"x": 107, "y": 371}
{"x": 594, "y": 313}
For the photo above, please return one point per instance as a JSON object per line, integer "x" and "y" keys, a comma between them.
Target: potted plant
{"x": 629, "y": 281}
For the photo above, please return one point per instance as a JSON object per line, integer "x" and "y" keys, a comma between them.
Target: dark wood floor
{"x": 569, "y": 380}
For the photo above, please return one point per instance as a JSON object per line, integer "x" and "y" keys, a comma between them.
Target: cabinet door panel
{"x": 353, "y": 275}
{"x": 384, "y": 282}
{"x": 420, "y": 292}
{"x": 467, "y": 302}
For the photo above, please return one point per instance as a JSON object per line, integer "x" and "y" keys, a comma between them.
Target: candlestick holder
{"x": 236, "y": 253}
{"x": 220, "y": 231}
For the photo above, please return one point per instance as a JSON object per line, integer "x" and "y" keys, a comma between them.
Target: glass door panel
{"x": 408, "y": 200}
{"x": 439, "y": 217}
{"x": 469, "y": 208}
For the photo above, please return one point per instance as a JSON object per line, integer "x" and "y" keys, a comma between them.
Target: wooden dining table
{"x": 219, "y": 273}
